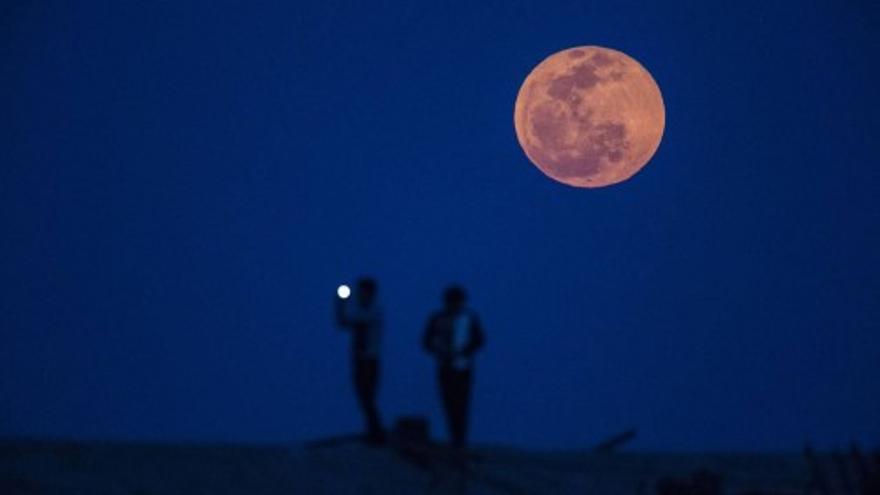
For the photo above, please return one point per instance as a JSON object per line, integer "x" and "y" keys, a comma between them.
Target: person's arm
{"x": 341, "y": 313}
{"x": 477, "y": 338}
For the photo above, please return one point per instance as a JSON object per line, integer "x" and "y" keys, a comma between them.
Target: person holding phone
{"x": 361, "y": 315}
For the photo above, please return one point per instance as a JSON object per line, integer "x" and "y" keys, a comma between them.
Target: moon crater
{"x": 589, "y": 116}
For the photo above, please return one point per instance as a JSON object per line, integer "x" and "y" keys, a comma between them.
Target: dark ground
{"x": 43, "y": 467}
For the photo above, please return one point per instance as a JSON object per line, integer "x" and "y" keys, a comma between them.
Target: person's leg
{"x": 459, "y": 406}
{"x": 366, "y": 385}
{"x": 463, "y": 390}
{"x": 377, "y": 431}
{"x": 446, "y": 381}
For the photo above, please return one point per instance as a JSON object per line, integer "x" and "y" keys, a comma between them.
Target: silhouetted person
{"x": 453, "y": 336}
{"x": 362, "y": 316}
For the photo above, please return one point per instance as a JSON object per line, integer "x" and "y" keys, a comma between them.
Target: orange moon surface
{"x": 589, "y": 116}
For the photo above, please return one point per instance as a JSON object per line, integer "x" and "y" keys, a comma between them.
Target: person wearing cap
{"x": 362, "y": 317}
{"x": 453, "y": 336}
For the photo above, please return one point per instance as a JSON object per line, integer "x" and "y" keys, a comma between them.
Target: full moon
{"x": 589, "y": 116}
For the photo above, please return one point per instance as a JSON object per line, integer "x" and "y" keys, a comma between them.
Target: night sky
{"x": 183, "y": 185}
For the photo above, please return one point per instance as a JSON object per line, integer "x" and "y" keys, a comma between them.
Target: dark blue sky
{"x": 182, "y": 186}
